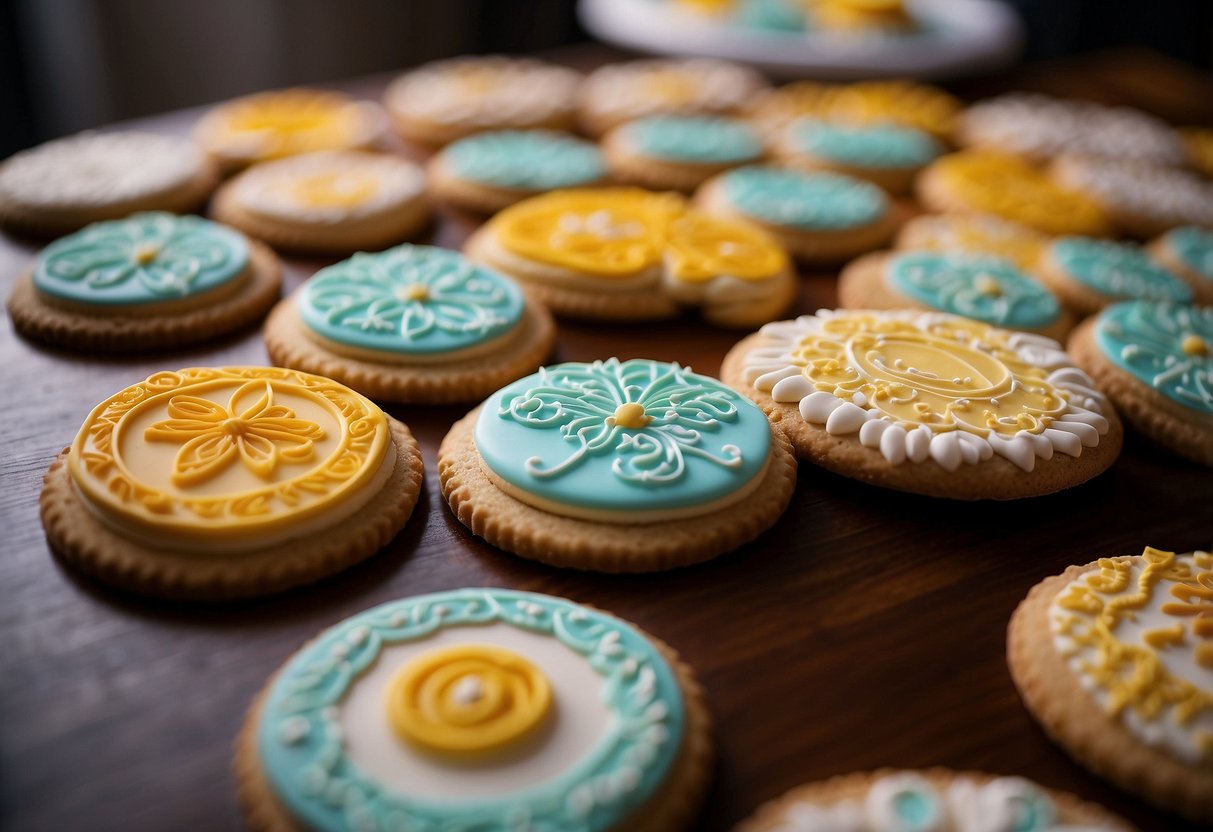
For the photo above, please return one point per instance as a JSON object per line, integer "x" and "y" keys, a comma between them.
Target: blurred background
{"x": 68, "y": 65}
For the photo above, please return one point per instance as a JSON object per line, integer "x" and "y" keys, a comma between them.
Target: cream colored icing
{"x": 629, "y": 90}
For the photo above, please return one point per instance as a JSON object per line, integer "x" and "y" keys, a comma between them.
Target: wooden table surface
{"x": 865, "y": 629}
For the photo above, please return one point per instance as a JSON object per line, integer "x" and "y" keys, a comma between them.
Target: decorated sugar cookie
{"x": 973, "y": 234}
{"x": 578, "y": 464}
{"x": 490, "y": 171}
{"x": 980, "y": 287}
{"x": 818, "y": 217}
{"x": 929, "y": 403}
{"x": 887, "y": 154}
{"x": 1039, "y": 127}
{"x": 1089, "y": 274}
{"x": 679, "y": 152}
{"x": 332, "y": 202}
{"x": 413, "y": 324}
{"x": 216, "y": 483}
{"x": 271, "y": 125}
{"x": 979, "y": 182}
{"x": 933, "y": 800}
{"x": 477, "y": 709}
{"x": 150, "y": 281}
{"x": 1141, "y": 199}
{"x": 1115, "y": 659}
{"x": 630, "y": 254}
{"x": 443, "y": 101}
{"x": 1187, "y": 252}
{"x": 621, "y": 92}
{"x": 66, "y": 184}
{"x": 903, "y": 103}
{"x": 1155, "y": 361}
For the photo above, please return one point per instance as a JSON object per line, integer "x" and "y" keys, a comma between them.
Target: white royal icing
{"x": 625, "y": 90}
{"x": 1171, "y": 195}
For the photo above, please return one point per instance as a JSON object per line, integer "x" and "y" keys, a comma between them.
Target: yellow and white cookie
{"x": 973, "y": 234}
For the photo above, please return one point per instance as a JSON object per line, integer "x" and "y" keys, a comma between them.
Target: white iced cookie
{"x": 1142, "y": 199}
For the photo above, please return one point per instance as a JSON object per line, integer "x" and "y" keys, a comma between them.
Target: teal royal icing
{"x": 145, "y": 258}
{"x": 525, "y": 159}
{"x": 1118, "y": 270}
{"x": 299, "y": 738}
{"x": 986, "y": 289}
{"x": 1147, "y": 339}
{"x": 702, "y": 139}
{"x": 772, "y": 15}
{"x": 553, "y": 435}
{"x": 410, "y": 299}
{"x": 1194, "y": 246}
{"x": 874, "y": 146}
{"x": 814, "y": 201}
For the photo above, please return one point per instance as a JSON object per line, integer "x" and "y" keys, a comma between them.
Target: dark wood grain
{"x": 866, "y": 629}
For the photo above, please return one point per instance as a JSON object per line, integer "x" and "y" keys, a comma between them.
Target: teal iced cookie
{"x": 536, "y": 160}
{"x": 863, "y": 146}
{"x": 1118, "y": 270}
{"x": 144, "y": 259}
{"x": 1194, "y": 247}
{"x": 808, "y": 201}
{"x": 694, "y": 139}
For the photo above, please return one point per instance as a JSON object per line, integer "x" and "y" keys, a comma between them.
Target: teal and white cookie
{"x": 985, "y": 288}
{"x": 489, "y": 171}
{"x": 477, "y": 709}
{"x": 1188, "y": 252}
{"x": 819, "y": 217}
{"x": 679, "y": 152}
{"x": 1089, "y": 274}
{"x": 149, "y": 281}
{"x": 413, "y": 323}
{"x": 579, "y": 463}
{"x": 887, "y": 154}
{"x": 1155, "y": 361}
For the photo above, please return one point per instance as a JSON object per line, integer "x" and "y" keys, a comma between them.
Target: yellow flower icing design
{"x": 261, "y": 435}
{"x": 868, "y": 102}
{"x": 344, "y": 189}
{"x": 470, "y": 699}
{"x": 700, "y": 247}
{"x": 1140, "y": 629}
{"x": 294, "y": 121}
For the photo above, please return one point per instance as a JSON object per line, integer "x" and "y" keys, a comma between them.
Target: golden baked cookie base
{"x": 771, "y": 815}
{"x": 993, "y": 479}
{"x": 86, "y": 543}
{"x": 529, "y": 532}
{"x": 431, "y": 135}
{"x": 477, "y": 198}
{"x": 39, "y": 321}
{"x": 469, "y": 380}
{"x": 863, "y": 285}
{"x": 1168, "y": 423}
{"x": 673, "y": 807}
{"x": 1069, "y": 714}
{"x": 1077, "y": 296}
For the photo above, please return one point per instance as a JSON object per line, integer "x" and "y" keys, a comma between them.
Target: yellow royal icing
{"x": 221, "y": 455}
{"x": 619, "y": 232}
{"x": 868, "y": 102}
{"x": 1140, "y": 630}
{"x": 1011, "y": 188}
{"x": 293, "y": 121}
{"x": 469, "y": 699}
{"x": 976, "y": 234}
{"x": 334, "y": 189}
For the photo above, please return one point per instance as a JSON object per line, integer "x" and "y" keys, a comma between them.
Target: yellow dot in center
{"x": 988, "y": 286}
{"x": 1195, "y": 345}
{"x": 146, "y": 253}
{"x": 414, "y": 291}
{"x": 631, "y": 415}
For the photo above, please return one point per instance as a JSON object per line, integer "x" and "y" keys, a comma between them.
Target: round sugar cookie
{"x": 931, "y": 800}
{"x": 679, "y": 153}
{"x": 487, "y": 172}
{"x": 821, "y": 218}
{"x": 440, "y": 102}
{"x": 1089, "y": 274}
{"x": 889, "y": 155}
{"x": 1155, "y": 362}
{"x": 216, "y": 483}
{"x": 632, "y": 255}
{"x": 270, "y": 125}
{"x": 1115, "y": 659}
{"x": 928, "y": 403}
{"x": 1039, "y": 127}
{"x": 975, "y": 286}
{"x": 411, "y": 324}
{"x": 63, "y": 185}
{"x": 579, "y": 464}
{"x": 327, "y": 203}
{"x": 471, "y": 709}
{"x": 152, "y": 281}
{"x": 1187, "y": 252}
{"x": 973, "y": 234}
{"x": 981, "y": 182}
{"x": 621, "y": 92}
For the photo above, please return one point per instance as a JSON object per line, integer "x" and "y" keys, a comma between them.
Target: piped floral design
{"x": 1168, "y": 346}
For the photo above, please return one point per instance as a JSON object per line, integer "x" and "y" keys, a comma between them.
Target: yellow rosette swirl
{"x": 468, "y": 700}
{"x": 700, "y": 247}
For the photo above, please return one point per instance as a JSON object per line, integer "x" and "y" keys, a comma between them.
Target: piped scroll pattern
{"x": 1168, "y": 346}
